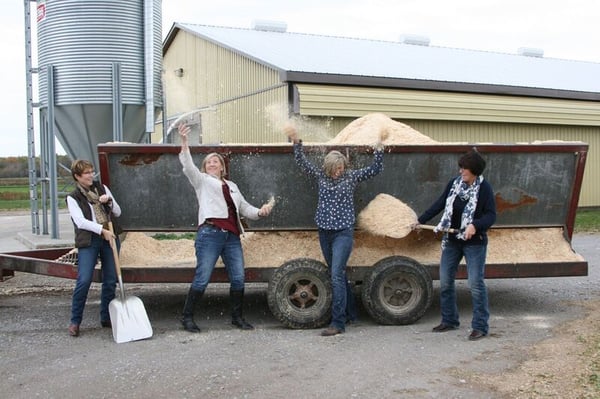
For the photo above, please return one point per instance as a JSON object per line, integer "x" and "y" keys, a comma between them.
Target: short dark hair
{"x": 79, "y": 166}
{"x": 472, "y": 161}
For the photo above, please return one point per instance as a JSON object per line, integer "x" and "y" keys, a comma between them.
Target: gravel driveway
{"x": 39, "y": 358}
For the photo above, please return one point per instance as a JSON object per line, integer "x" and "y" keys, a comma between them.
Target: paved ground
{"x": 16, "y": 233}
{"x": 39, "y": 359}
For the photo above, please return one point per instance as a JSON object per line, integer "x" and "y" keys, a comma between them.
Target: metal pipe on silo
{"x": 51, "y": 153}
{"x": 149, "y": 63}
{"x": 117, "y": 103}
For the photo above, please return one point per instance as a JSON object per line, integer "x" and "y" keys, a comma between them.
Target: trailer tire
{"x": 397, "y": 291}
{"x": 299, "y": 294}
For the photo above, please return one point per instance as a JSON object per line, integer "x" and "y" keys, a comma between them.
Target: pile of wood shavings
{"x": 370, "y": 128}
{"x": 387, "y": 216}
{"x": 272, "y": 249}
{"x": 140, "y": 249}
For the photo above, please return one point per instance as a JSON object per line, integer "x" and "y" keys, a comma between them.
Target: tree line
{"x": 15, "y": 167}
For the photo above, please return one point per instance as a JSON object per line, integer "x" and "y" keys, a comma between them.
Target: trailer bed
{"x": 536, "y": 190}
{"x": 512, "y": 253}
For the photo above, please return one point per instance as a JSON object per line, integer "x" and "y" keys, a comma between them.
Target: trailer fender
{"x": 299, "y": 294}
{"x": 398, "y": 290}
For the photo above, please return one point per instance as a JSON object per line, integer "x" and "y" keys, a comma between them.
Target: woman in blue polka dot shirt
{"x": 335, "y": 218}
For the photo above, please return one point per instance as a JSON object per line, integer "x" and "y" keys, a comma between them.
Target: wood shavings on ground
{"x": 560, "y": 366}
{"x": 387, "y": 216}
{"x": 370, "y": 128}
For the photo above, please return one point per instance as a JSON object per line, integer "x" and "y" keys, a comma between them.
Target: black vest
{"x": 83, "y": 238}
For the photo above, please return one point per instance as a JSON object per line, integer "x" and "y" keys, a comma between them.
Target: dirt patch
{"x": 564, "y": 366}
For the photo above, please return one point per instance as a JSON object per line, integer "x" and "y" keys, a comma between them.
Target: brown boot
{"x": 330, "y": 332}
{"x": 74, "y": 330}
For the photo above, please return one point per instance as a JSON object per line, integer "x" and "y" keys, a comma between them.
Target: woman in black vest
{"x": 91, "y": 206}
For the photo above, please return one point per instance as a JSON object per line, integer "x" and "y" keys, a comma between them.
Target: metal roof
{"x": 340, "y": 60}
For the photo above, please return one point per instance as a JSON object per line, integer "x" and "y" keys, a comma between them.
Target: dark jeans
{"x": 212, "y": 242}
{"x": 337, "y": 247}
{"x": 474, "y": 255}
{"x": 86, "y": 262}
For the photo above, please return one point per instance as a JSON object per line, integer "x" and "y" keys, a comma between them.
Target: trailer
{"x": 536, "y": 186}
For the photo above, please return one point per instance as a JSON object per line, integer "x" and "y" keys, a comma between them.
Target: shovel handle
{"x": 428, "y": 227}
{"x": 113, "y": 246}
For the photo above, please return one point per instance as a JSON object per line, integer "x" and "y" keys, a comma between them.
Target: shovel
{"x": 405, "y": 230}
{"x": 375, "y": 218}
{"x": 127, "y": 314}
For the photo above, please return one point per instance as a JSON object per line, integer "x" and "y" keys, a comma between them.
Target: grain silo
{"x": 103, "y": 60}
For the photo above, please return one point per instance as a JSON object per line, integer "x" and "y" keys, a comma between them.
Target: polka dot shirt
{"x": 335, "y": 207}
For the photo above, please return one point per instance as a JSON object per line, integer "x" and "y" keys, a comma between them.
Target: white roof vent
{"x": 269, "y": 26}
{"x": 414, "y": 39}
{"x": 531, "y": 52}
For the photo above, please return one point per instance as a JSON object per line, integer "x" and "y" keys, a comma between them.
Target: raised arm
{"x": 184, "y": 130}
{"x": 290, "y": 130}
{"x": 305, "y": 165}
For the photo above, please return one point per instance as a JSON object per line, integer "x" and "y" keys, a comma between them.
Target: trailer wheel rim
{"x": 299, "y": 293}
{"x": 304, "y": 293}
{"x": 399, "y": 291}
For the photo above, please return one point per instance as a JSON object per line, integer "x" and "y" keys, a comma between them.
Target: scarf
{"x": 466, "y": 193}
{"x": 94, "y": 199}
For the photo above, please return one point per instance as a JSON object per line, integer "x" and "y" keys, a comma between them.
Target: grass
{"x": 14, "y": 195}
{"x": 591, "y": 373}
{"x": 587, "y": 220}
{"x": 174, "y": 236}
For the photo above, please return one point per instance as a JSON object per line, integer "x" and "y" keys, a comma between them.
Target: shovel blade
{"x": 129, "y": 320}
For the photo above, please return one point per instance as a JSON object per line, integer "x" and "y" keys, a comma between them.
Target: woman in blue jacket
{"x": 469, "y": 207}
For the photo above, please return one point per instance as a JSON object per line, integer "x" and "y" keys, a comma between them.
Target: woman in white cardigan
{"x": 220, "y": 205}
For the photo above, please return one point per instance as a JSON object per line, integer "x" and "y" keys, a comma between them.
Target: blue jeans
{"x": 86, "y": 262}
{"x": 212, "y": 242}
{"x": 337, "y": 247}
{"x": 475, "y": 255}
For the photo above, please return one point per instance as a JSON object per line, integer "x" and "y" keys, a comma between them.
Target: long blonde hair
{"x": 221, "y": 160}
{"x": 332, "y": 161}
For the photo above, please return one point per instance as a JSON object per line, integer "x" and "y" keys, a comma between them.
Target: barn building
{"x": 238, "y": 85}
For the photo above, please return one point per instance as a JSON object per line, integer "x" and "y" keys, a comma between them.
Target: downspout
{"x": 149, "y": 65}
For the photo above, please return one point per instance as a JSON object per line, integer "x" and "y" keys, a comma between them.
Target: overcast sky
{"x": 562, "y": 29}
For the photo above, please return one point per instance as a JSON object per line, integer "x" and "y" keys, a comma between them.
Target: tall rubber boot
{"x": 237, "y": 301}
{"x": 187, "y": 320}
